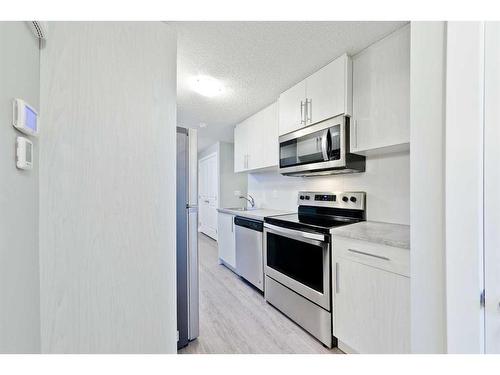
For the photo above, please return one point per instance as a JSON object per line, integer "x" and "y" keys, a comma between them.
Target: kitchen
{"x": 266, "y": 187}
{"x": 336, "y": 148}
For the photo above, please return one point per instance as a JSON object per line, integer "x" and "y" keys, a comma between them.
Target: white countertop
{"x": 254, "y": 213}
{"x": 396, "y": 235}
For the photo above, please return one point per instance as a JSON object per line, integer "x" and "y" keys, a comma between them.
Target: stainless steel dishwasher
{"x": 249, "y": 257}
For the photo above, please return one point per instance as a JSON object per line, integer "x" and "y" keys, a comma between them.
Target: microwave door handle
{"x": 324, "y": 144}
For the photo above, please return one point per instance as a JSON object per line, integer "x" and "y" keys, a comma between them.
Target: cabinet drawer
{"x": 392, "y": 259}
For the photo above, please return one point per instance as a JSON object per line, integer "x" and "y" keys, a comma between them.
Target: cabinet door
{"x": 328, "y": 91}
{"x": 226, "y": 243}
{"x": 240, "y": 147}
{"x": 252, "y": 139}
{"x": 371, "y": 308}
{"x": 290, "y": 109}
{"x": 263, "y": 138}
{"x": 381, "y": 94}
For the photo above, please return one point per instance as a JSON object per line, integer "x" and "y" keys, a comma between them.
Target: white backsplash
{"x": 386, "y": 182}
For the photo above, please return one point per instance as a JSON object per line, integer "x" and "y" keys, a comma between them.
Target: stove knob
{"x": 302, "y": 197}
{"x": 307, "y": 197}
{"x": 345, "y": 199}
{"x": 353, "y": 199}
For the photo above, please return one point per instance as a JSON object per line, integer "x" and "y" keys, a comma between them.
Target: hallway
{"x": 235, "y": 318}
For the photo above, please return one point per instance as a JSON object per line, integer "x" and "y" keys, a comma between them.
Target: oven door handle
{"x": 299, "y": 235}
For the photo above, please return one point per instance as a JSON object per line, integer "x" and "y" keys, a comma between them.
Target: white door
{"x": 208, "y": 195}
{"x": 291, "y": 105}
{"x": 492, "y": 187}
{"x": 327, "y": 91}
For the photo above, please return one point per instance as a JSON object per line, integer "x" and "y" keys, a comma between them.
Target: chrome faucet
{"x": 251, "y": 200}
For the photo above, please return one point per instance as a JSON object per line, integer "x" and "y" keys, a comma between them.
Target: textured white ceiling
{"x": 256, "y": 61}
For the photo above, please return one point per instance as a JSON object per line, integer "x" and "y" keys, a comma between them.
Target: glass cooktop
{"x": 316, "y": 223}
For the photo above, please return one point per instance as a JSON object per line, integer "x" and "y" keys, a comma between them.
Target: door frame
{"x": 464, "y": 202}
{"x": 491, "y": 186}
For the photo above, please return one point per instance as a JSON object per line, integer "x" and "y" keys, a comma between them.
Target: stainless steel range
{"x": 297, "y": 258}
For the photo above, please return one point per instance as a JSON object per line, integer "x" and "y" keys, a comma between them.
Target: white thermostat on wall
{"x": 24, "y": 117}
{"x": 24, "y": 153}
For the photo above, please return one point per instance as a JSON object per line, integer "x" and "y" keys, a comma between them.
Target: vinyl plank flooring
{"x": 235, "y": 318}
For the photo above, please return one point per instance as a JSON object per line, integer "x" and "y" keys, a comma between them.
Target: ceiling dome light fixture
{"x": 207, "y": 86}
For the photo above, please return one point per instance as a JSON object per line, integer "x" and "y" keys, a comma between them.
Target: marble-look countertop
{"x": 254, "y": 213}
{"x": 396, "y": 235}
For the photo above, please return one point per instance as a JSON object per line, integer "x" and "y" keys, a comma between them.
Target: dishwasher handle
{"x": 252, "y": 224}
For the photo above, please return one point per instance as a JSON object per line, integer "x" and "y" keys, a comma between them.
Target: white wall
{"x": 229, "y": 181}
{"x": 427, "y": 122}
{"x": 107, "y": 178}
{"x": 386, "y": 182}
{"x": 208, "y": 150}
{"x": 19, "y": 276}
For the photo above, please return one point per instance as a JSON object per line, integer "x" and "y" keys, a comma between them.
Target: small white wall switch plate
{"x": 24, "y": 153}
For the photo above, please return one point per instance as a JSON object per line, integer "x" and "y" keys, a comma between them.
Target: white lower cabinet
{"x": 226, "y": 239}
{"x": 371, "y": 302}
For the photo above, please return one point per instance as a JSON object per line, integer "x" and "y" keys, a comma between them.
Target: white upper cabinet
{"x": 381, "y": 95}
{"x": 325, "y": 94}
{"x": 292, "y": 108}
{"x": 329, "y": 91}
{"x": 256, "y": 141}
{"x": 263, "y": 138}
{"x": 240, "y": 147}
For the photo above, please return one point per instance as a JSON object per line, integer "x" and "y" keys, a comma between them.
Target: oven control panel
{"x": 349, "y": 199}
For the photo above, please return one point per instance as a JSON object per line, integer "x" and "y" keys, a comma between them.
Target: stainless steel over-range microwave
{"x": 319, "y": 149}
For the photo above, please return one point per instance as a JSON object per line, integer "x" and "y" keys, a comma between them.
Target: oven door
{"x": 320, "y": 146}
{"x": 300, "y": 261}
